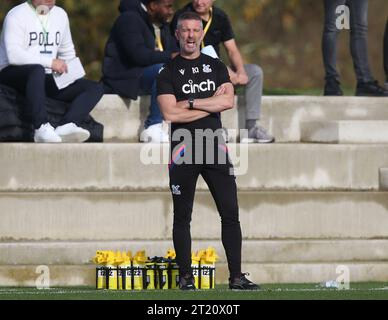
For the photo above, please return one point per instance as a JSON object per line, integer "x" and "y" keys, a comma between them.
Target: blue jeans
{"x": 358, "y": 38}
{"x": 148, "y": 86}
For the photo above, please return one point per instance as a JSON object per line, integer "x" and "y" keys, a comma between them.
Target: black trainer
{"x": 242, "y": 283}
{"x": 332, "y": 88}
{"x": 370, "y": 89}
{"x": 187, "y": 282}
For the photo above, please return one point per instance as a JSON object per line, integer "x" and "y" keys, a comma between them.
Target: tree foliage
{"x": 283, "y": 36}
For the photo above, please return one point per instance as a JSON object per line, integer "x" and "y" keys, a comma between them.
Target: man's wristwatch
{"x": 191, "y": 103}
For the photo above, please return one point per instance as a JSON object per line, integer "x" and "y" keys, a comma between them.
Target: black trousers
{"x": 32, "y": 82}
{"x": 222, "y": 185}
{"x": 358, "y": 38}
{"x": 386, "y": 51}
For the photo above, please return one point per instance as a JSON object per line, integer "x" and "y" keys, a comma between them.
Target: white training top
{"x": 23, "y": 37}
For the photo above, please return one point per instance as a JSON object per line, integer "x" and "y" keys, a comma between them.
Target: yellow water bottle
{"x": 100, "y": 261}
{"x": 162, "y": 265}
{"x": 111, "y": 269}
{"x": 151, "y": 275}
{"x": 138, "y": 270}
{"x": 174, "y": 275}
{"x": 173, "y": 269}
{"x": 208, "y": 269}
{"x": 195, "y": 266}
{"x": 124, "y": 272}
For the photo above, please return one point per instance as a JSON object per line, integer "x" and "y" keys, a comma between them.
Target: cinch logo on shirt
{"x": 203, "y": 86}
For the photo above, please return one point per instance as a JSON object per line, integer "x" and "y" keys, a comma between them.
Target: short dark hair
{"x": 189, "y": 15}
{"x": 147, "y": 2}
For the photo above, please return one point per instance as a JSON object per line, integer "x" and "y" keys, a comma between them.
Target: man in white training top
{"x": 35, "y": 43}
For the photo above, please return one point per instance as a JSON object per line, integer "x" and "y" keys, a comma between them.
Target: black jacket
{"x": 131, "y": 47}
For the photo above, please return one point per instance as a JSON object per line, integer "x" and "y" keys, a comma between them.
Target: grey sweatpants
{"x": 253, "y": 91}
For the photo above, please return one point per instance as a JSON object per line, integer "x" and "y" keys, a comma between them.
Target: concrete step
{"x": 345, "y": 131}
{"x": 143, "y": 167}
{"x": 87, "y": 216}
{"x": 254, "y": 251}
{"x": 123, "y": 119}
{"x": 282, "y": 115}
{"x": 383, "y": 177}
{"x": 263, "y": 273}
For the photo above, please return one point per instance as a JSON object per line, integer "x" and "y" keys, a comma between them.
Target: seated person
{"x": 35, "y": 43}
{"x": 139, "y": 44}
{"x": 218, "y": 29}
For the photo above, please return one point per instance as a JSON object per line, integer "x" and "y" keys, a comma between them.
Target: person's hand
{"x": 174, "y": 54}
{"x": 233, "y": 76}
{"x": 220, "y": 91}
{"x": 242, "y": 78}
{"x": 59, "y": 66}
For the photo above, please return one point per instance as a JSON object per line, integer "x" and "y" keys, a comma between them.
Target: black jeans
{"x": 386, "y": 51}
{"x": 32, "y": 82}
{"x": 358, "y": 38}
{"x": 222, "y": 185}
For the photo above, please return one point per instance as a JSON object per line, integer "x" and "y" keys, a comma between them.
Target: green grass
{"x": 375, "y": 291}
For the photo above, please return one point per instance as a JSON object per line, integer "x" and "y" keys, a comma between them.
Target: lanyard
{"x": 159, "y": 43}
{"x": 207, "y": 26}
{"x": 44, "y": 24}
{"x": 158, "y": 38}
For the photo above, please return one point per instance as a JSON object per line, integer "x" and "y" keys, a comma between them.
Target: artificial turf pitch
{"x": 357, "y": 291}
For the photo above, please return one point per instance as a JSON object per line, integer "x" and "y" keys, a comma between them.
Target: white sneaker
{"x": 46, "y": 133}
{"x": 154, "y": 134}
{"x": 69, "y": 132}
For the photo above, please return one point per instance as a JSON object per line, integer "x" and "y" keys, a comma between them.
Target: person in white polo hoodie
{"x": 35, "y": 45}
